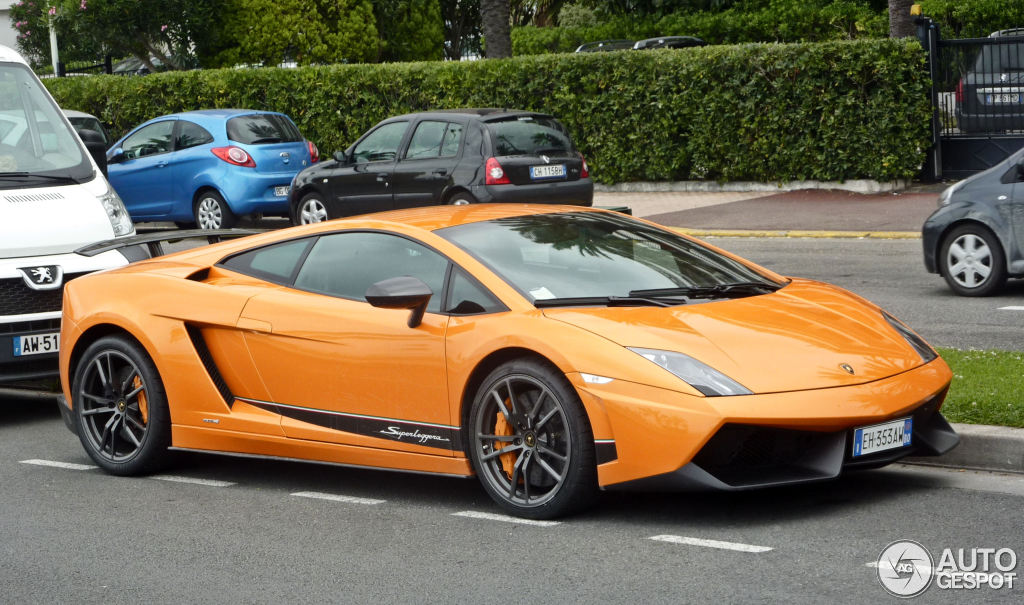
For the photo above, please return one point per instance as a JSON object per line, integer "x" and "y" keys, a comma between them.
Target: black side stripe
{"x": 605, "y": 451}
{"x": 429, "y": 435}
{"x": 211, "y": 368}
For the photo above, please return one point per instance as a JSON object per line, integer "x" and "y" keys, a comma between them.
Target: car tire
{"x": 311, "y": 209}
{"x": 972, "y": 261}
{"x": 212, "y": 212}
{"x": 530, "y": 442}
{"x": 461, "y": 199}
{"x": 120, "y": 407}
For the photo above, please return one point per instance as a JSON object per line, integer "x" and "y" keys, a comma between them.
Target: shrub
{"x": 974, "y": 19}
{"x": 761, "y": 112}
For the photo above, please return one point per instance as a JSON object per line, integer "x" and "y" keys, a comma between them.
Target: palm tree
{"x": 494, "y": 21}
{"x": 901, "y": 24}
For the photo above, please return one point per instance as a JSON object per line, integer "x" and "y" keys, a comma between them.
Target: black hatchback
{"x": 459, "y": 156}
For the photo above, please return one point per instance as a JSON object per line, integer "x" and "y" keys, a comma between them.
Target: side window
{"x": 381, "y": 144}
{"x": 191, "y": 134}
{"x": 151, "y": 140}
{"x": 466, "y": 297}
{"x": 426, "y": 140}
{"x": 346, "y": 264}
{"x": 451, "y": 140}
{"x": 276, "y": 263}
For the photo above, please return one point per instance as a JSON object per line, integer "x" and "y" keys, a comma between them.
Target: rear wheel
{"x": 212, "y": 212}
{"x": 972, "y": 261}
{"x": 311, "y": 209}
{"x": 120, "y": 408}
{"x": 530, "y": 442}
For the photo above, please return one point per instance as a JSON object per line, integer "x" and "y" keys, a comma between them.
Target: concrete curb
{"x": 982, "y": 447}
{"x": 799, "y": 233}
{"x": 856, "y": 186}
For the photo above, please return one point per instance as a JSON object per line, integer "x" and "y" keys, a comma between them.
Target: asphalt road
{"x": 891, "y": 274}
{"x": 231, "y": 530}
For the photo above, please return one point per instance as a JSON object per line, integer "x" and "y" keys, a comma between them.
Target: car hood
{"x": 50, "y": 220}
{"x": 798, "y": 338}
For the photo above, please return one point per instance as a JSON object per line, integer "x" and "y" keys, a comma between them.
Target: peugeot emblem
{"x": 46, "y": 277}
{"x": 847, "y": 368}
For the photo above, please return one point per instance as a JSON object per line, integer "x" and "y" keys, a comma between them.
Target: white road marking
{"x": 711, "y": 543}
{"x": 337, "y": 498}
{"x": 1011, "y": 308}
{"x": 472, "y": 514}
{"x": 71, "y": 466}
{"x": 207, "y": 482}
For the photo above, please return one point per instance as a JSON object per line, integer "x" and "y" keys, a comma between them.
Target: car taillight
{"x": 495, "y": 174}
{"x": 314, "y": 153}
{"x": 960, "y": 91}
{"x": 234, "y": 155}
{"x": 584, "y": 170}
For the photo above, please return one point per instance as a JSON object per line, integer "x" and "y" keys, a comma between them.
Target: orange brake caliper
{"x": 502, "y": 427}
{"x": 143, "y": 407}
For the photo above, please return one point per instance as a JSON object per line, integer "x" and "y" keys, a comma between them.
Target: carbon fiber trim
{"x": 206, "y": 357}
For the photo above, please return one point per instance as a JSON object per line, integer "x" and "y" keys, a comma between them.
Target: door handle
{"x": 383, "y": 178}
{"x": 441, "y": 172}
{"x": 161, "y": 164}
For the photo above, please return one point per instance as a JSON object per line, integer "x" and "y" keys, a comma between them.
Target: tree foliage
{"x": 269, "y": 32}
{"x": 410, "y": 30}
{"x": 461, "y": 28}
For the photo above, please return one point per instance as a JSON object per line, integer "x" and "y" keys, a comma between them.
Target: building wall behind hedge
{"x": 760, "y": 112}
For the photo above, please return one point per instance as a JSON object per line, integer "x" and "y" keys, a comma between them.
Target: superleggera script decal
{"x": 398, "y": 433}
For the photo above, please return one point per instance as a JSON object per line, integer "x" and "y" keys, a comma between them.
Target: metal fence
{"x": 979, "y": 85}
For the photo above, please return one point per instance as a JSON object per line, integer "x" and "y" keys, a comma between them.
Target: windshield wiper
{"x": 608, "y": 301}
{"x": 34, "y": 175}
{"x": 717, "y": 291}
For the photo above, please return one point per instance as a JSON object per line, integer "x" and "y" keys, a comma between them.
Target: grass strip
{"x": 988, "y": 387}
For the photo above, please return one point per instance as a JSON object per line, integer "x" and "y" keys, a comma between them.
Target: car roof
{"x": 9, "y": 55}
{"x": 216, "y": 114}
{"x": 432, "y": 218}
{"x": 71, "y": 113}
{"x": 485, "y": 113}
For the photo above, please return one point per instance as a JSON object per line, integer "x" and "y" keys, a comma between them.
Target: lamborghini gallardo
{"x": 549, "y": 351}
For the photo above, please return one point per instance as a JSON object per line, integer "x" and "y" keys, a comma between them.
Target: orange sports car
{"x": 550, "y": 351}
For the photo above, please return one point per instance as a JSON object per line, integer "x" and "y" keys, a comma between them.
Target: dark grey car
{"x": 459, "y": 156}
{"x": 976, "y": 238}
{"x": 990, "y": 96}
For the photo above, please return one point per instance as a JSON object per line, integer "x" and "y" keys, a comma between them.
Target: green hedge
{"x": 761, "y": 112}
{"x": 790, "y": 21}
{"x": 974, "y": 18}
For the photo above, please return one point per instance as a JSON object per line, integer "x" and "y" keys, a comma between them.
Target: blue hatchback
{"x": 209, "y": 167}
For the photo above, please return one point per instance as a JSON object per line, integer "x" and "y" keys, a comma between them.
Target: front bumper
{"x": 664, "y": 438}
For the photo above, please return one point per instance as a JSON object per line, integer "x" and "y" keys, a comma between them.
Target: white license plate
{"x": 280, "y": 191}
{"x": 880, "y": 437}
{"x": 36, "y": 344}
{"x": 547, "y": 172}
{"x": 1004, "y": 98}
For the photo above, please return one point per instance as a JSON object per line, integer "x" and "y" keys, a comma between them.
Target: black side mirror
{"x": 97, "y": 147}
{"x": 341, "y": 157}
{"x": 404, "y": 292}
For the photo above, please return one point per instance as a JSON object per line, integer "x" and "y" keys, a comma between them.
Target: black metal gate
{"x": 978, "y": 96}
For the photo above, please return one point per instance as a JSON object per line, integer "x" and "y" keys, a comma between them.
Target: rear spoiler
{"x": 154, "y": 240}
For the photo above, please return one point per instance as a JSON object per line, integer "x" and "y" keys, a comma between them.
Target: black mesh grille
{"x": 16, "y": 298}
{"x": 26, "y": 327}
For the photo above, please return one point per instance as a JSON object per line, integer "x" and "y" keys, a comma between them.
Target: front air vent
{"x": 196, "y": 336}
{"x": 34, "y": 197}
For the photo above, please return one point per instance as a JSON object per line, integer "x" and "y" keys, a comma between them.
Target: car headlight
{"x": 923, "y": 349}
{"x": 947, "y": 194}
{"x": 116, "y": 212}
{"x": 700, "y": 376}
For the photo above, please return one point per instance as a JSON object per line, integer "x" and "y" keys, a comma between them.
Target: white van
{"x": 53, "y": 200}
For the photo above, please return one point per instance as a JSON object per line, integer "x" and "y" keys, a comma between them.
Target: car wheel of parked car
{"x": 972, "y": 261}
{"x": 530, "y": 442}
{"x": 212, "y": 212}
{"x": 311, "y": 210}
{"x": 461, "y": 199}
{"x": 120, "y": 408}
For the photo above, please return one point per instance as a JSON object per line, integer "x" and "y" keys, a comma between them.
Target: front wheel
{"x": 972, "y": 260}
{"x": 120, "y": 408}
{"x": 212, "y": 212}
{"x": 462, "y": 199}
{"x": 530, "y": 442}
{"x": 311, "y": 209}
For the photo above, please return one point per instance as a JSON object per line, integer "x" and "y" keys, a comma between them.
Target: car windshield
{"x": 529, "y": 135}
{"x": 36, "y": 145}
{"x": 263, "y": 129}
{"x": 603, "y": 258}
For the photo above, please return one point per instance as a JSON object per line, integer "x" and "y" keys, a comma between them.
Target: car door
{"x": 141, "y": 177}
{"x": 425, "y": 170}
{"x": 363, "y": 184}
{"x": 340, "y": 370}
{"x": 191, "y": 156}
